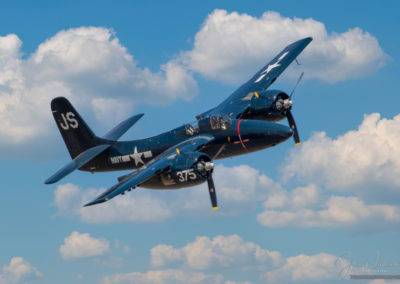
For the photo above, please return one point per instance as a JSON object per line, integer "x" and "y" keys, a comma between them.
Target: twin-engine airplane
{"x": 243, "y": 123}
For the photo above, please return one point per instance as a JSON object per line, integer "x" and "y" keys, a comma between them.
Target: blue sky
{"x": 286, "y": 215}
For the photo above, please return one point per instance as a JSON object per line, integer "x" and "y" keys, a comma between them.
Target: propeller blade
{"x": 298, "y": 81}
{"x": 292, "y": 125}
{"x": 211, "y": 190}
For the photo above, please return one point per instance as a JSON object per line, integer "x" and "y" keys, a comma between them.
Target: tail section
{"x": 80, "y": 140}
{"x": 77, "y": 135}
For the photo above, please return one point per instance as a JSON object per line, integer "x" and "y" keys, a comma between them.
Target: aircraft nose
{"x": 271, "y": 131}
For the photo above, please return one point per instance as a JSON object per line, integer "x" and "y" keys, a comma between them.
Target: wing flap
{"x": 134, "y": 179}
{"x": 76, "y": 163}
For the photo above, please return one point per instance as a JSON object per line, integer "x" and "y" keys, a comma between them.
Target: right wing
{"x": 156, "y": 166}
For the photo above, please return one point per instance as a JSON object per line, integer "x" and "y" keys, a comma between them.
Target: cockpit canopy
{"x": 220, "y": 121}
{"x": 213, "y": 122}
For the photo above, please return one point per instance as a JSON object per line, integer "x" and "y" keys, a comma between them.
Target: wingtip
{"x": 89, "y": 204}
{"x": 97, "y": 201}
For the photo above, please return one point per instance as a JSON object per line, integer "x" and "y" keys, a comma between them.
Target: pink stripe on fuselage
{"x": 240, "y": 138}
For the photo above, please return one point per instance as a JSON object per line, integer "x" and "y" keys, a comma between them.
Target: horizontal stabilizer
{"x": 120, "y": 129}
{"x": 76, "y": 163}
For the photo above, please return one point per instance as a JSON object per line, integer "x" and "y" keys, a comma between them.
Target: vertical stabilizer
{"x": 77, "y": 135}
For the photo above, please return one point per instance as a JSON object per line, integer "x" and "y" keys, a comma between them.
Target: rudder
{"x": 77, "y": 135}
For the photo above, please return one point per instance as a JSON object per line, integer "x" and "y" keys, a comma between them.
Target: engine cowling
{"x": 268, "y": 105}
{"x": 187, "y": 169}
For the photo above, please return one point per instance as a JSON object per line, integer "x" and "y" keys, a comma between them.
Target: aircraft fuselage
{"x": 239, "y": 137}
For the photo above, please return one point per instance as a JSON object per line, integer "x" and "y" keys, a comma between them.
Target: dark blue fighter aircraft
{"x": 243, "y": 123}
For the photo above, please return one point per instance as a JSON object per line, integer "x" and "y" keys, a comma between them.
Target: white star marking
{"x": 137, "y": 156}
{"x": 270, "y": 67}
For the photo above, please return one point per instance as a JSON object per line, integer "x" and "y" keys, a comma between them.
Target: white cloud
{"x": 18, "y": 270}
{"x": 305, "y": 267}
{"x": 365, "y": 161}
{"x": 79, "y": 245}
{"x": 308, "y": 207}
{"x": 229, "y": 46}
{"x": 137, "y": 206}
{"x": 163, "y": 277}
{"x": 88, "y": 65}
{"x": 195, "y": 263}
{"x": 238, "y": 188}
{"x": 221, "y": 251}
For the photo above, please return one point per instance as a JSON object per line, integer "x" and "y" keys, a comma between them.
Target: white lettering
{"x": 184, "y": 175}
{"x": 69, "y": 120}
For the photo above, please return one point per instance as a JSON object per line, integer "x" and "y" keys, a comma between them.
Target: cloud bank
{"x": 197, "y": 261}
{"x": 238, "y": 189}
{"x": 231, "y": 46}
{"x": 88, "y": 65}
{"x": 365, "y": 161}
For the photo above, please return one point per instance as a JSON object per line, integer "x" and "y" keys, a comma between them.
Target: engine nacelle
{"x": 187, "y": 169}
{"x": 268, "y": 105}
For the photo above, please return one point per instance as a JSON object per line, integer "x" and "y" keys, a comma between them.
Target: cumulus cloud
{"x": 195, "y": 263}
{"x": 171, "y": 276}
{"x": 239, "y": 189}
{"x": 230, "y": 45}
{"x": 305, "y": 267}
{"x": 88, "y": 65}
{"x": 221, "y": 251}
{"x": 139, "y": 206}
{"x": 365, "y": 161}
{"x": 79, "y": 245}
{"x": 308, "y": 207}
{"x": 17, "y": 271}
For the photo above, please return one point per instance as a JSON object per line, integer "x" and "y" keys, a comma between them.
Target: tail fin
{"x": 77, "y": 135}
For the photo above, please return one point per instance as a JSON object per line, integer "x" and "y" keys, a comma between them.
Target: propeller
{"x": 206, "y": 168}
{"x": 292, "y": 125}
{"x": 211, "y": 190}
{"x": 210, "y": 181}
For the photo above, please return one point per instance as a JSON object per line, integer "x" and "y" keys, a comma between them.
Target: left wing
{"x": 261, "y": 80}
{"x": 270, "y": 72}
{"x": 156, "y": 166}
